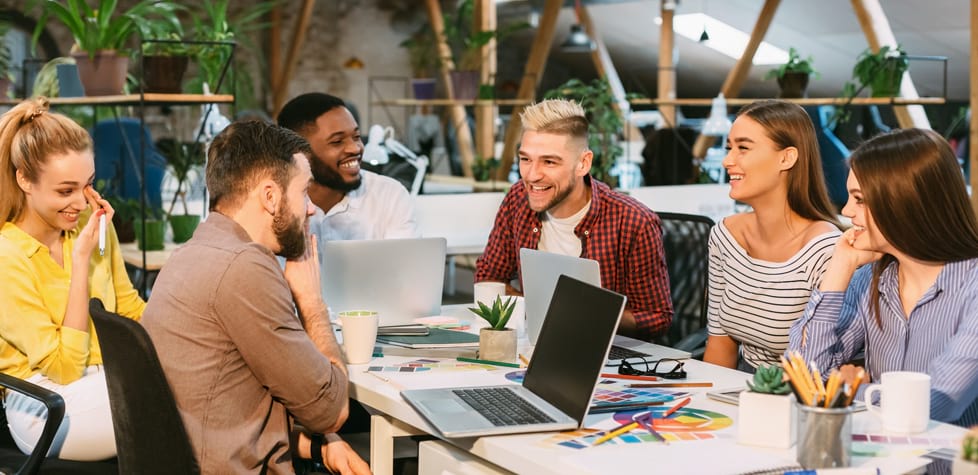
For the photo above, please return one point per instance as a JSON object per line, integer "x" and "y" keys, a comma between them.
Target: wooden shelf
{"x": 136, "y": 99}
{"x": 808, "y": 101}
{"x": 452, "y": 102}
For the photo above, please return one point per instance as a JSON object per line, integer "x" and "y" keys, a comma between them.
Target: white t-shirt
{"x": 557, "y": 234}
{"x": 380, "y": 209}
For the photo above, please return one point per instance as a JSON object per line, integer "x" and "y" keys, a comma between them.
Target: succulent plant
{"x": 969, "y": 446}
{"x": 769, "y": 380}
{"x": 497, "y": 315}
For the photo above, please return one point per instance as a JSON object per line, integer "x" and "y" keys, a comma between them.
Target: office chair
{"x": 149, "y": 432}
{"x": 12, "y": 460}
{"x": 685, "y": 238}
{"x": 117, "y": 160}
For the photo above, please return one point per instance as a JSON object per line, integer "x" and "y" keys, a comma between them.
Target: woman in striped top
{"x": 765, "y": 263}
{"x": 916, "y": 307}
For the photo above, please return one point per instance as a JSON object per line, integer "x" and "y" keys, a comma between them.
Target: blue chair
{"x": 117, "y": 160}
{"x": 834, "y": 155}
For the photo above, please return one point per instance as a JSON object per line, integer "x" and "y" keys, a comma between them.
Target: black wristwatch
{"x": 316, "y": 442}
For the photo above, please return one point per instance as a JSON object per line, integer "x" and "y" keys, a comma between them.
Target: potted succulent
{"x": 100, "y": 36}
{"x": 767, "y": 413}
{"x": 423, "y": 54}
{"x": 967, "y": 461}
{"x": 793, "y": 75}
{"x": 605, "y": 122}
{"x": 184, "y": 159}
{"x": 496, "y": 342}
{"x": 165, "y": 56}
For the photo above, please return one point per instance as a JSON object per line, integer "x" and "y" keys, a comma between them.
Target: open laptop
{"x": 401, "y": 279}
{"x": 540, "y": 271}
{"x": 559, "y": 382}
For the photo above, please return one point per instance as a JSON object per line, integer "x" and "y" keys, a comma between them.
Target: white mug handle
{"x": 868, "y": 399}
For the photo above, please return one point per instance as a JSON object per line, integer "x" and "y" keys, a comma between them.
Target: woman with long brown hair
{"x": 51, "y": 262}
{"x": 915, "y": 306}
{"x": 764, "y": 263}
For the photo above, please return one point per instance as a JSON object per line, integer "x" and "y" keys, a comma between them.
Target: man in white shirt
{"x": 350, "y": 203}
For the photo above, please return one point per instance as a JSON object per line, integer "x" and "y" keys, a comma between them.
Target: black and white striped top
{"x": 755, "y": 302}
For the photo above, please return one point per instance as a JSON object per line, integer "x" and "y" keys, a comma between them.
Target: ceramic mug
{"x": 359, "y": 335}
{"x": 904, "y": 401}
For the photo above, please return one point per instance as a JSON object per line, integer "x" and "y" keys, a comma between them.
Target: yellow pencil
{"x": 525, "y": 361}
{"x": 615, "y": 433}
{"x": 819, "y": 384}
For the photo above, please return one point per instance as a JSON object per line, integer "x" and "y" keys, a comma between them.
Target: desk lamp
{"x": 381, "y": 142}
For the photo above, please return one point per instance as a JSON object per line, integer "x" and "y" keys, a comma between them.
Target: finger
{"x": 90, "y": 197}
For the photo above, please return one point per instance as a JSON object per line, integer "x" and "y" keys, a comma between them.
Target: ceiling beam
{"x": 532, "y": 73}
{"x": 737, "y": 75}
{"x": 292, "y": 58}
{"x": 667, "y": 70}
{"x": 878, "y": 33}
{"x": 485, "y": 112}
{"x": 274, "y": 47}
{"x": 463, "y": 137}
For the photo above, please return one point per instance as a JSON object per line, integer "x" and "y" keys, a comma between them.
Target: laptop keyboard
{"x": 620, "y": 353}
{"x": 502, "y": 406}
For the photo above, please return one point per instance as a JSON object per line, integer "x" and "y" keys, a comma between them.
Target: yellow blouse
{"x": 34, "y": 297}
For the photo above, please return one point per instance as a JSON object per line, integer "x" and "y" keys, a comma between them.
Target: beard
{"x": 330, "y": 178}
{"x": 289, "y": 231}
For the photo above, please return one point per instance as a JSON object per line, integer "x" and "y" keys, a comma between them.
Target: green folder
{"x": 436, "y": 338}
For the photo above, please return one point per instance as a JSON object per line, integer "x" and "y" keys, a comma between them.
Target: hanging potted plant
{"x": 184, "y": 160}
{"x": 165, "y": 57}
{"x": 793, "y": 75}
{"x": 882, "y": 72}
{"x": 100, "y": 36}
{"x": 496, "y": 342}
{"x": 604, "y": 123}
{"x": 466, "y": 43}
{"x": 422, "y": 52}
{"x": 767, "y": 416}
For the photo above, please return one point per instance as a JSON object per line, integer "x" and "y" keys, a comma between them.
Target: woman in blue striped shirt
{"x": 916, "y": 307}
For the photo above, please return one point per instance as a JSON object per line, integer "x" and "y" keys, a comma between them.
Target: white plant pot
{"x": 963, "y": 467}
{"x": 767, "y": 420}
{"x": 497, "y": 345}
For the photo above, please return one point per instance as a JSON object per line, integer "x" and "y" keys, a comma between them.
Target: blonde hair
{"x": 29, "y": 134}
{"x": 556, "y": 116}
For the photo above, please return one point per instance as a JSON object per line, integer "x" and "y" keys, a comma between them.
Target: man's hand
{"x": 302, "y": 274}
{"x": 341, "y": 458}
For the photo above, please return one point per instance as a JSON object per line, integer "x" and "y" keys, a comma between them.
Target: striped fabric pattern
{"x": 939, "y": 338}
{"x": 755, "y": 302}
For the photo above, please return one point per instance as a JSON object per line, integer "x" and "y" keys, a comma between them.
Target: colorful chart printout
{"x": 686, "y": 424}
{"x": 421, "y": 365}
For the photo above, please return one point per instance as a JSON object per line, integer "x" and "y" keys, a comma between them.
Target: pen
{"x": 101, "y": 235}
{"x": 615, "y": 433}
{"x": 671, "y": 385}
{"x": 629, "y": 376}
{"x": 675, "y": 408}
{"x": 488, "y": 362}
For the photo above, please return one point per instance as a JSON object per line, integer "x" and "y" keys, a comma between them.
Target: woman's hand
{"x": 845, "y": 260}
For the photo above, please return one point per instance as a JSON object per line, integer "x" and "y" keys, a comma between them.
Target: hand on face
{"x": 302, "y": 273}
{"x": 88, "y": 236}
{"x": 845, "y": 250}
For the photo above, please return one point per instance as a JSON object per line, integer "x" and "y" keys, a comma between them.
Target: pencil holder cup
{"x": 824, "y": 437}
{"x": 766, "y": 420}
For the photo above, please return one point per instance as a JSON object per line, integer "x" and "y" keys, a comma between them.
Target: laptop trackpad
{"x": 443, "y": 406}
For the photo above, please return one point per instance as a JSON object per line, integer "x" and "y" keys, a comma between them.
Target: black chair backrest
{"x": 685, "y": 238}
{"x": 149, "y": 433}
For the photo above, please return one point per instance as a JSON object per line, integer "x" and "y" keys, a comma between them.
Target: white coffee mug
{"x": 359, "y": 335}
{"x": 486, "y": 292}
{"x": 904, "y": 401}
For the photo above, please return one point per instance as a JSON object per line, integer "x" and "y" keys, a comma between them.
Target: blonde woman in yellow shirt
{"x": 51, "y": 265}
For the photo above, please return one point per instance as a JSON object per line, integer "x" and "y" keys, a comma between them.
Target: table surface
{"x": 154, "y": 259}
{"x": 539, "y": 453}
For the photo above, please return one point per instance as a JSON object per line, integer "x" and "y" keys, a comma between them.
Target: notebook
{"x": 401, "y": 279}
{"x": 540, "y": 271}
{"x": 436, "y": 338}
{"x": 559, "y": 383}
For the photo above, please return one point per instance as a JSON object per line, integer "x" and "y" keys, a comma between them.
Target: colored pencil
{"x": 615, "y": 433}
{"x": 605, "y": 408}
{"x": 488, "y": 362}
{"x": 671, "y": 385}
{"x": 629, "y": 376}
{"x": 525, "y": 361}
{"x": 675, "y": 408}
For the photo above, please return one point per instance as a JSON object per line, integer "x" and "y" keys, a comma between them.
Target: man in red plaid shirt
{"x": 557, "y": 207}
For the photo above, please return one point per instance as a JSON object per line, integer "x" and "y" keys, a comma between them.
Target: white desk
{"x": 537, "y": 453}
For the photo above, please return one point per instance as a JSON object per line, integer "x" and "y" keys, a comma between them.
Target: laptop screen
{"x": 573, "y": 344}
{"x": 540, "y": 270}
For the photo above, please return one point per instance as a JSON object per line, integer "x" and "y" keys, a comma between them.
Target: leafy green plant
{"x": 969, "y": 446}
{"x": 483, "y": 168}
{"x": 182, "y": 157}
{"x": 164, "y": 24}
{"x": 466, "y": 41}
{"x": 769, "y": 380}
{"x": 881, "y": 71}
{"x": 422, "y": 51}
{"x": 497, "y": 315}
{"x": 794, "y": 65}
{"x": 95, "y": 29}
{"x": 605, "y": 122}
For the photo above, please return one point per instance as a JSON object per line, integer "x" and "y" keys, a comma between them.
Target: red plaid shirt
{"x": 623, "y": 235}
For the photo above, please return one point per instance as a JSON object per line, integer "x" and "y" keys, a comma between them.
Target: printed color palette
{"x": 686, "y": 424}
{"x": 418, "y": 366}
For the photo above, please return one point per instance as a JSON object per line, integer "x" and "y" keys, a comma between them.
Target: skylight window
{"x": 724, "y": 38}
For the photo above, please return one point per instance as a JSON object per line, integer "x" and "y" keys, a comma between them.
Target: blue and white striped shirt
{"x": 940, "y": 338}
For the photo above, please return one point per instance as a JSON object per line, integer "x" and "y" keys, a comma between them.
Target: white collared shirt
{"x": 380, "y": 208}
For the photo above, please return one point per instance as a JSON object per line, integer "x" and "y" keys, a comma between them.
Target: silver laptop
{"x": 540, "y": 271}
{"x": 401, "y": 279}
{"x": 559, "y": 382}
